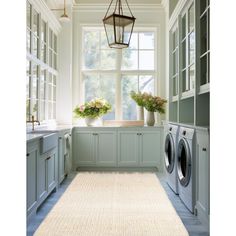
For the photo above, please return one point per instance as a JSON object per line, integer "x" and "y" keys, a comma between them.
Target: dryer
{"x": 186, "y": 166}
{"x": 170, "y": 158}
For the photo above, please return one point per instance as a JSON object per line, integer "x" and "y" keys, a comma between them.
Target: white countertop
{"x": 32, "y": 137}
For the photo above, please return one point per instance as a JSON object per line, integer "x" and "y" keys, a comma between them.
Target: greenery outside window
{"x": 113, "y": 74}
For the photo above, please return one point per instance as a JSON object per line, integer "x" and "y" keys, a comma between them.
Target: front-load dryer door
{"x": 184, "y": 162}
{"x": 169, "y": 153}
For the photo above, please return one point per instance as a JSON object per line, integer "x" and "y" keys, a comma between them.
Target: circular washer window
{"x": 184, "y": 162}
{"x": 169, "y": 153}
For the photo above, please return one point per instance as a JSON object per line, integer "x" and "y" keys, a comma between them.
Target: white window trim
{"x": 155, "y": 72}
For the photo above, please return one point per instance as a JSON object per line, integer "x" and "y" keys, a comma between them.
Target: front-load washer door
{"x": 169, "y": 153}
{"x": 184, "y": 162}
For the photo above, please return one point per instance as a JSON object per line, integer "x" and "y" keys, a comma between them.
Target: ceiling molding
{"x": 103, "y": 7}
{"x": 165, "y": 4}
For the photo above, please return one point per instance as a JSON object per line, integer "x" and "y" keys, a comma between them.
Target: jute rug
{"x": 116, "y": 204}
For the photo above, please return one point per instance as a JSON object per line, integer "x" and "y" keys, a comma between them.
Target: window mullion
{"x": 118, "y": 97}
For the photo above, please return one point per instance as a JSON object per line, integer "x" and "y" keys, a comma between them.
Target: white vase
{"x": 140, "y": 113}
{"x": 150, "y": 118}
{"x": 93, "y": 121}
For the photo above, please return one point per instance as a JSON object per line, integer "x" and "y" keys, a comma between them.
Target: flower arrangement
{"x": 92, "y": 109}
{"x": 150, "y": 102}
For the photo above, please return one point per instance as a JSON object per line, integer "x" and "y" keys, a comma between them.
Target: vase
{"x": 150, "y": 118}
{"x": 93, "y": 121}
{"x": 140, "y": 113}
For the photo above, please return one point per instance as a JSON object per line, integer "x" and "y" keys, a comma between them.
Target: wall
{"x": 64, "y": 86}
{"x": 152, "y": 15}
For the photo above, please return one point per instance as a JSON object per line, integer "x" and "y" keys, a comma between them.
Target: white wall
{"x": 64, "y": 86}
{"x": 147, "y": 15}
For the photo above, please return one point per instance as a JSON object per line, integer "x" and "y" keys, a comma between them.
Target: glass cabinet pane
{"x": 184, "y": 54}
{"x": 184, "y": 81}
{"x": 55, "y": 43}
{"x": 191, "y": 48}
{"x": 208, "y": 30}
{"x": 191, "y": 73}
{"x": 203, "y": 5}
{"x": 184, "y": 26}
{"x": 203, "y": 34}
{"x": 191, "y": 18}
{"x": 203, "y": 69}
{"x": 175, "y": 86}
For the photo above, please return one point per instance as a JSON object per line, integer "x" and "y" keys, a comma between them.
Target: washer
{"x": 186, "y": 166}
{"x": 170, "y": 158}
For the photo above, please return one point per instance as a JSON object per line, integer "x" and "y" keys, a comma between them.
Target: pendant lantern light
{"x": 118, "y": 27}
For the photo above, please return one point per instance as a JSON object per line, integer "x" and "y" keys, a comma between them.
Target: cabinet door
{"x": 203, "y": 176}
{"x": 150, "y": 149}
{"x": 32, "y": 154}
{"x": 51, "y": 171}
{"x": 41, "y": 178}
{"x": 105, "y": 149}
{"x": 128, "y": 148}
{"x": 83, "y": 149}
{"x": 61, "y": 160}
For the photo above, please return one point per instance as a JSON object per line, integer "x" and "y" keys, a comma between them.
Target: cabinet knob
{"x": 27, "y": 154}
{"x": 204, "y": 149}
{"x": 48, "y": 158}
{"x": 170, "y": 128}
{"x": 184, "y": 132}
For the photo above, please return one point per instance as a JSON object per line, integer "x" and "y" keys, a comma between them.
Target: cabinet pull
{"x": 204, "y": 149}
{"x": 48, "y": 158}
{"x": 60, "y": 137}
{"x": 27, "y": 154}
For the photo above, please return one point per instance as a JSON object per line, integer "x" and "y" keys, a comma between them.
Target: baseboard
{"x": 120, "y": 169}
{"x": 202, "y": 215}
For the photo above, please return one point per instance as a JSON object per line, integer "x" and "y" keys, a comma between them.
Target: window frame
{"x": 118, "y": 70}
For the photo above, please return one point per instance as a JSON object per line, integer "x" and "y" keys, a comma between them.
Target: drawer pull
{"x": 204, "y": 149}
{"x": 48, "y": 158}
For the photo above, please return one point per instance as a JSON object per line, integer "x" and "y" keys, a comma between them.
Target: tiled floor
{"x": 192, "y": 224}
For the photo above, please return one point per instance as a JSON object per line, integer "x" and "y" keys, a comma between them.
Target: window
{"x": 41, "y": 67}
{"x": 112, "y": 73}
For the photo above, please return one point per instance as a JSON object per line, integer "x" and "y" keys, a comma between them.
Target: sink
{"x": 48, "y": 142}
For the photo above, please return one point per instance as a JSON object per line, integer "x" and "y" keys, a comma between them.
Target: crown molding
{"x": 41, "y": 7}
{"x": 165, "y": 4}
{"x": 103, "y": 7}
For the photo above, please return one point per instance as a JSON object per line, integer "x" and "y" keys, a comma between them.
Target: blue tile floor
{"x": 192, "y": 224}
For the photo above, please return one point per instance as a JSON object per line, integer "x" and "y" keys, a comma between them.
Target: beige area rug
{"x": 104, "y": 204}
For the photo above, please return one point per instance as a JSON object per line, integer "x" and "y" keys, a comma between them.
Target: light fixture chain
{"x": 129, "y": 8}
{"x": 108, "y": 8}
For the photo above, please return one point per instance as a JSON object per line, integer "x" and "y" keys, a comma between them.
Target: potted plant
{"x": 153, "y": 104}
{"x": 92, "y": 110}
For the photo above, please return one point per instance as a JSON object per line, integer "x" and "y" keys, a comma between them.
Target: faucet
{"x": 33, "y": 121}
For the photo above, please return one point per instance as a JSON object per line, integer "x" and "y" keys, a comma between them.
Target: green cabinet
{"x": 128, "y": 148}
{"x": 203, "y": 176}
{"x": 51, "y": 169}
{"x": 32, "y": 156}
{"x": 139, "y": 148}
{"x": 94, "y": 148}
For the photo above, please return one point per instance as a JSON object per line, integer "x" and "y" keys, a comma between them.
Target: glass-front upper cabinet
{"x": 187, "y": 55}
{"x": 204, "y": 42}
{"x": 174, "y": 61}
